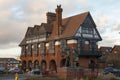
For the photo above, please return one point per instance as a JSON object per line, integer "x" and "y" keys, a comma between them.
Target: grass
{"x": 3, "y": 75}
{"x": 46, "y": 78}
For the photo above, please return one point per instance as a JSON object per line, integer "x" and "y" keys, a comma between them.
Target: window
{"x": 81, "y": 43}
{"x": 30, "y": 49}
{"x": 35, "y": 49}
{"x": 92, "y": 45}
{"x": 42, "y": 47}
{"x": 63, "y": 45}
{"x": 23, "y": 52}
{"x": 51, "y": 47}
{"x": 87, "y": 30}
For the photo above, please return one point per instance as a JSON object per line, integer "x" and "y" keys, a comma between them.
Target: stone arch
{"x": 36, "y": 64}
{"x": 43, "y": 65}
{"x": 62, "y": 63}
{"x": 29, "y": 64}
{"x": 52, "y": 65}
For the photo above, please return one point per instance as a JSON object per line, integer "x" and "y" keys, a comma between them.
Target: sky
{"x": 17, "y": 15}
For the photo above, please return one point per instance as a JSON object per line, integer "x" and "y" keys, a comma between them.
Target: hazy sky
{"x": 17, "y": 15}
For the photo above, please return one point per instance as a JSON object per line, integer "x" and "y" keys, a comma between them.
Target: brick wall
{"x": 76, "y": 73}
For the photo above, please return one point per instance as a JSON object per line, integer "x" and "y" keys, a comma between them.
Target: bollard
{"x": 16, "y": 76}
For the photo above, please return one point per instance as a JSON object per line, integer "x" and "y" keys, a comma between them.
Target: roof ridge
{"x": 77, "y": 15}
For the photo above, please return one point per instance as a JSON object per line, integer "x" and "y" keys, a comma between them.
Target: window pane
{"x": 42, "y": 47}
{"x": 63, "y": 45}
{"x": 51, "y": 47}
{"x": 35, "y": 48}
{"x": 23, "y": 52}
{"x": 29, "y": 49}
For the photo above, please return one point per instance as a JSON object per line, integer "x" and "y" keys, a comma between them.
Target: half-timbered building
{"x": 71, "y": 41}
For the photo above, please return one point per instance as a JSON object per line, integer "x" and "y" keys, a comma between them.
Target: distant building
{"x": 9, "y": 62}
{"x": 116, "y": 49}
{"x": 71, "y": 41}
{"x": 105, "y": 50}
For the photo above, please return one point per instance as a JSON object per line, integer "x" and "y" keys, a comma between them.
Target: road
{"x": 12, "y": 77}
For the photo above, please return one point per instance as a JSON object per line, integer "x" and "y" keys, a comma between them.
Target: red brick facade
{"x": 61, "y": 42}
{"x": 116, "y": 49}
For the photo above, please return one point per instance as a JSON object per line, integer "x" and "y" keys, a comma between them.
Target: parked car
{"x": 15, "y": 70}
{"x": 36, "y": 71}
{"x": 2, "y": 70}
{"x": 112, "y": 70}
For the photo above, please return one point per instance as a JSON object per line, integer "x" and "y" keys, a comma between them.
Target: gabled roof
{"x": 23, "y": 41}
{"x": 116, "y": 48}
{"x": 103, "y": 48}
{"x": 29, "y": 31}
{"x": 70, "y": 25}
{"x": 37, "y": 30}
{"x": 47, "y": 27}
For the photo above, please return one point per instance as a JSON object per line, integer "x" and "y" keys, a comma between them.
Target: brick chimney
{"x": 50, "y": 17}
{"x": 59, "y": 20}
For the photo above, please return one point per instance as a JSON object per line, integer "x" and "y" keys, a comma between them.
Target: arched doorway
{"x": 36, "y": 64}
{"x": 52, "y": 65}
{"x": 29, "y": 64}
{"x": 43, "y": 65}
{"x": 24, "y": 65}
{"x": 62, "y": 63}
